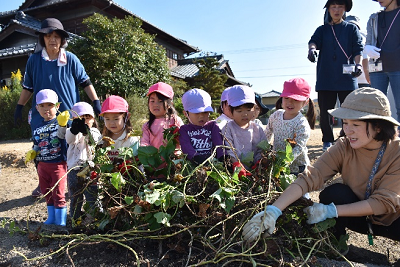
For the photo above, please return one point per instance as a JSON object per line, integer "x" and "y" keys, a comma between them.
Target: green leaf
{"x": 177, "y": 196}
{"x": 264, "y": 145}
{"x": 324, "y": 225}
{"x": 137, "y": 209}
{"x": 152, "y": 196}
{"x": 128, "y": 200}
{"x": 229, "y": 202}
{"x": 117, "y": 180}
{"x": 248, "y": 158}
{"x": 163, "y": 218}
{"x": 217, "y": 195}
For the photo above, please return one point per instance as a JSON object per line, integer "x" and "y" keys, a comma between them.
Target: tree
{"x": 210, "y": 78}
{"x": 119, "y": 57}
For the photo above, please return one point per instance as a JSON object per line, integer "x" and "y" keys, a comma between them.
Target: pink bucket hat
{"x": 240, "y": 94}
{"x": 297, "y": 89}
{"x": 82, "y": 108}
{"x": 196, "y": 101}
{"x": 162, "y": 88}
{"x": 114, "y": 104}
{"x": 46, "y": 96}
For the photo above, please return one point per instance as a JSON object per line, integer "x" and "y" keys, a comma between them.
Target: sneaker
{"x": 326, "y": 145}
{"x": 36, "y": 192}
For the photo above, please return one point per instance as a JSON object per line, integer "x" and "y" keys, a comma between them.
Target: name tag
{"x": 348, "y": 68}
{"x": 375, "y": 66}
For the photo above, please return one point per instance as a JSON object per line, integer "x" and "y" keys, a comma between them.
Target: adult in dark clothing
{"x": 340, "y": 47}
{"x": 383, "y": 49}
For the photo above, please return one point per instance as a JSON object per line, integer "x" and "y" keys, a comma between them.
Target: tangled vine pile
{"x": 199, "y": 210}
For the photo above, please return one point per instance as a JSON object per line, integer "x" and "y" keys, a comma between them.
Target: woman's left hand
{"x": 320, "y": 212}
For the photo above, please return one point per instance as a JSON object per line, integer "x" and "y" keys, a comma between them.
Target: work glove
{"x": 319, "y": 212}
{"x": 79, "y": 126}
{"x": 357, "y": 70}
{"x": 63, "y": 118}
{"x": 372, "y": 51}
{"x": 242, "y": 170}
{"x": 97, "y": 107}
{"x": 312, "y": 54}
{"x": 18, "y": 115}
{"x": 262, "y": 221}
{"x": 30, "y": 155}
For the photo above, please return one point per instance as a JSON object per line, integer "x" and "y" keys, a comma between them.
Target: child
{"x": 199, "y": 138}
{"x": 288, "y": 122}
{"x": 79, "y": 152}
{"x": 259, "y": 110}
{"x": 50, "y": 151}
{"x": 117, "y": 125}
{"x": 242, "y": 134}
{"x": 162, "y": 115}
{"x": 368, "y": 159}
{"x": 226, "y": 115}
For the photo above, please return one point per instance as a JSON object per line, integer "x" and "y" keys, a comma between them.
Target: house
{"x": 18, "y": 38}
{"x": 269, "y": 99}
{"x": 18, "y": 27}
{"x": 186, "y": 69}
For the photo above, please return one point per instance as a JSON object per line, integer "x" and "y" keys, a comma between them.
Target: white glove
{"x": 260, "y": 222}
{"x": 320, "y": 212}
{"x": 372, "y": 51}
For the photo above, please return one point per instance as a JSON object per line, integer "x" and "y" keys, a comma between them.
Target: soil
{"x": 18, "y": 179}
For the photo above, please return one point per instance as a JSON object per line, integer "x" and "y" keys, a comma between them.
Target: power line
{"x": 264, "y": 49}
{"x": 273, "y": 76}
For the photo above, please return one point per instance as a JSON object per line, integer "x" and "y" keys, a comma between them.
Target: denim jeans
{"x": 77, "y": 189}
{"x": 381, "y": 80}
{"x": 327, "y": 100}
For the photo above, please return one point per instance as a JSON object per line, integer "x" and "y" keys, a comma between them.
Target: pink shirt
{"x": 155, "y": 137}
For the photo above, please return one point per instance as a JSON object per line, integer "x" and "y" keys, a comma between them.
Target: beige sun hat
{"x": 363, "y": 104}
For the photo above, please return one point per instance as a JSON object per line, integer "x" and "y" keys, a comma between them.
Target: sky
{"x": 264, "y": 41}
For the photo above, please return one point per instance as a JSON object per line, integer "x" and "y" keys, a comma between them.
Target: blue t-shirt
{"x": 45, "y": 140}
{"x": 331, "y": 58}
{"x": 44, "y": 74}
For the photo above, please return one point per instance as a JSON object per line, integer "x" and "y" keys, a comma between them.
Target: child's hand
{"x": 79, "y": 126}
{"x": 30, "y": 155}
{"x": 242, "y": 170}
{"x": 63, "y": 118}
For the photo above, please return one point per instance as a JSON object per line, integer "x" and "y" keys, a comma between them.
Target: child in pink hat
{"x": 201, "y": 136}
{"x": 117, "y": 125}
{"x": 162, "y": 115}
{"x": 287, "y": 122}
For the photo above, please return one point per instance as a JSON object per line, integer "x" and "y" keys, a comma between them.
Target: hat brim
{"x": 350, "y": 114}
{"x": 242, "y": 102}
{"x": 295, "y": 97}
{"x": 202, "y": 109}
{"x": 113, "y": 111}
{"x": 51, "y": 29}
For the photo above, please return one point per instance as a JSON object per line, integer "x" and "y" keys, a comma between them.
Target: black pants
{"x": 327, "y": 100}
{"x": 342, "y": 194}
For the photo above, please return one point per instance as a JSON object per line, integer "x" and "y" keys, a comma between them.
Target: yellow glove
{"x": 63, "y": 118}
{"x": 30, "y": 155}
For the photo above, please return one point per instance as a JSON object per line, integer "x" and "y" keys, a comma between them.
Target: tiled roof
{"x": 20, "y": 50}
{"x": 28, "y": 22}
{"x": 185, "y": 71}
{"x": 6, "y": 13}
{"x": 272, "y": 93}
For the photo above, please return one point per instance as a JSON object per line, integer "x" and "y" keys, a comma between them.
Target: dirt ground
{"x": 17, "y": 180}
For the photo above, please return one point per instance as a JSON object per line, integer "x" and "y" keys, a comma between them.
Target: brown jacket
{"x": 355, "y": 166}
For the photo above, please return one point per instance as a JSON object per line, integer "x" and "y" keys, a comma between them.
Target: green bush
{"x": 8, "y": 101}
